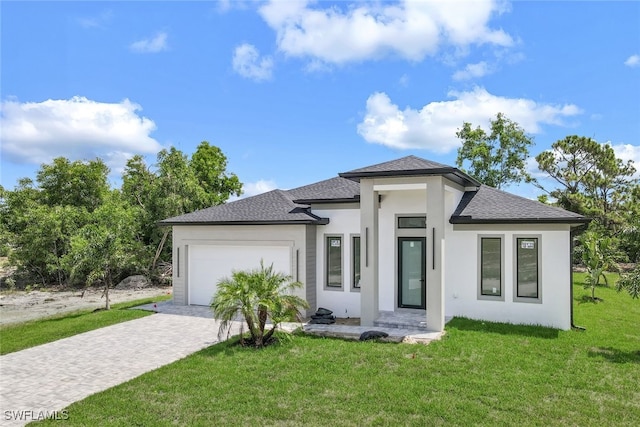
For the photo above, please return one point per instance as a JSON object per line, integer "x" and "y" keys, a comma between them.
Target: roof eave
{"x": 470, "y": 220}
{"x": 325, "y": 201}
{"x": 453, "y": 174}
{"x": 319, "y": 221}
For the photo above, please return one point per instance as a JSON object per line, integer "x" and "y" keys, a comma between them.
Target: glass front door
{"x": 411, "y": 272}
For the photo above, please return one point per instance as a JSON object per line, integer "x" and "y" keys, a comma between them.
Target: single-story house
{"x": 408, "y": 235}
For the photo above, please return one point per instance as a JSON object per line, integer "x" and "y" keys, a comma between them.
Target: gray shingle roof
{"x": 484, "y": 205}
{"x": 490, "y": 205}
{"x": 267, "y": 208}
{"x": 402, "y": 164}
{"x": 411, "y": 166}
{"x": 328, "y": 190}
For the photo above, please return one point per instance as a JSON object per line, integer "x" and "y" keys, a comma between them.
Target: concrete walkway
{"x": 51, "y": 376}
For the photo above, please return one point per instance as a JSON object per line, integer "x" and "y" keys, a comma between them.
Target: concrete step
{"x": 402, "y": 320}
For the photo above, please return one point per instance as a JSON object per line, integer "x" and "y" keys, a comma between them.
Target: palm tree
{"x": 257, "y": 295}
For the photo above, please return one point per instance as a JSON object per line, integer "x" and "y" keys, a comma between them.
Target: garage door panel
{"x": 208, "y": 264}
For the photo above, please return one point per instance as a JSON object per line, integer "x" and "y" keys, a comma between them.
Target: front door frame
{"x": 423, "y": 290}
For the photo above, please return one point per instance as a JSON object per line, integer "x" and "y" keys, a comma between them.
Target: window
{"x": 527, "y": 268}
{"x": 355, "y": 262}
{"x": 490, "y": 268}
{"x": 412, "y": 222}
{"x": 334, "y": 261}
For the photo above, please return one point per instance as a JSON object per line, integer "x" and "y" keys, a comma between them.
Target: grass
{"x": 480, "y": 373}
{"x": 29, "y": 334}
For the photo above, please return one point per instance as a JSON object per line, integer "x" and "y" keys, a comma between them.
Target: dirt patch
{"x": 20, "y": 306}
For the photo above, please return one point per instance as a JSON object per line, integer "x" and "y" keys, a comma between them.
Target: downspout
{"x": 572, "y": 235}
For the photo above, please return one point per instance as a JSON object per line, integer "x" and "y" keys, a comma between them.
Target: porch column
{"x": 368, "y": 253}
{"x": 435, "y": 251}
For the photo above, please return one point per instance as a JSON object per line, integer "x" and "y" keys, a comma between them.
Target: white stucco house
{"x": 408, "y": 235}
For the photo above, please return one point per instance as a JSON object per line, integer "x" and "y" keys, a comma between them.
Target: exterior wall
{"x": 293, "y": 236}
{"x": 461, "y": 289}
{"x": 345, "y": 222}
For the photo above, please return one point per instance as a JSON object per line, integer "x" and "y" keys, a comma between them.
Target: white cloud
{"x": 472, "y": 71}
{"x": 223, "y": 6}
{"x": 254, "y": 188}
{"x": 410, "y": 29}
{"x": 633, "y": 61}
{"x": 155, "y": 44}
{"x": 78, "y": 128}
{"x": 531, "y": 166}
{"x": 434, "y": 126}
{"x": 404, "y": 80}
{"x": 248, "y": 63}
{"x": 98, "y": 21}
{"x": 628, "y": 152}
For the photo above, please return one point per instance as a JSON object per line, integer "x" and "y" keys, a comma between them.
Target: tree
{"x": 257, "y": 295}
{"x": 630, "y": 230}
{"x": 38, "y": 233}
{"x": 593, "y": 182}
{"x": 106, "y": 247}
{"x": 45, "y": 239}
{"x": 80, "y": 184}
{"x": 597, "y": 257}
{"x": 497, "y": 158}
{"x": 631, "y": 282}
{"x": 138, "y": 186}
{"x": 209, "y": 166}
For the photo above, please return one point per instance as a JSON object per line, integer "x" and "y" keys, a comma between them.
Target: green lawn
{"x": 480, "y": 373}
{"x": 29, "y": 334}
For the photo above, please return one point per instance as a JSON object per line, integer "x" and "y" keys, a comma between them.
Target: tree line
{"x": 69, "y": 227}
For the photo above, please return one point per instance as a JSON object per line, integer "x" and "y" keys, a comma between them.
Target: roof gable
{"x": 408, "y": 163}
{"x": 411, "y": 166}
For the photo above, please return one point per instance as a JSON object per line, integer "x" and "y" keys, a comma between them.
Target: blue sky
{"x": 294, "y": 92}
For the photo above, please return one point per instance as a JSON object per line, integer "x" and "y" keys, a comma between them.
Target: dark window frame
{"x": 517, "y": 239}
{"x": 481, "y": 295}
{"x": 355, "y": 281}
{"x": 327, "y": 266}
{"x": 408, "y": 225}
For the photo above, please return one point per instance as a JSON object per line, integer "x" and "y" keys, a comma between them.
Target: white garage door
{"x": 210, "y": 263}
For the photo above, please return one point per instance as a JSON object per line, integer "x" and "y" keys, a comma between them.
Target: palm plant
{"x": 257, "y": 295}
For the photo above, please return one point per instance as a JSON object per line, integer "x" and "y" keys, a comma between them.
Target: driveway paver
{"x": 49, "y": 377}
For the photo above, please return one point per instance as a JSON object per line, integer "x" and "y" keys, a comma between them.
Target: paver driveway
{"x": 51, "y": 376}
